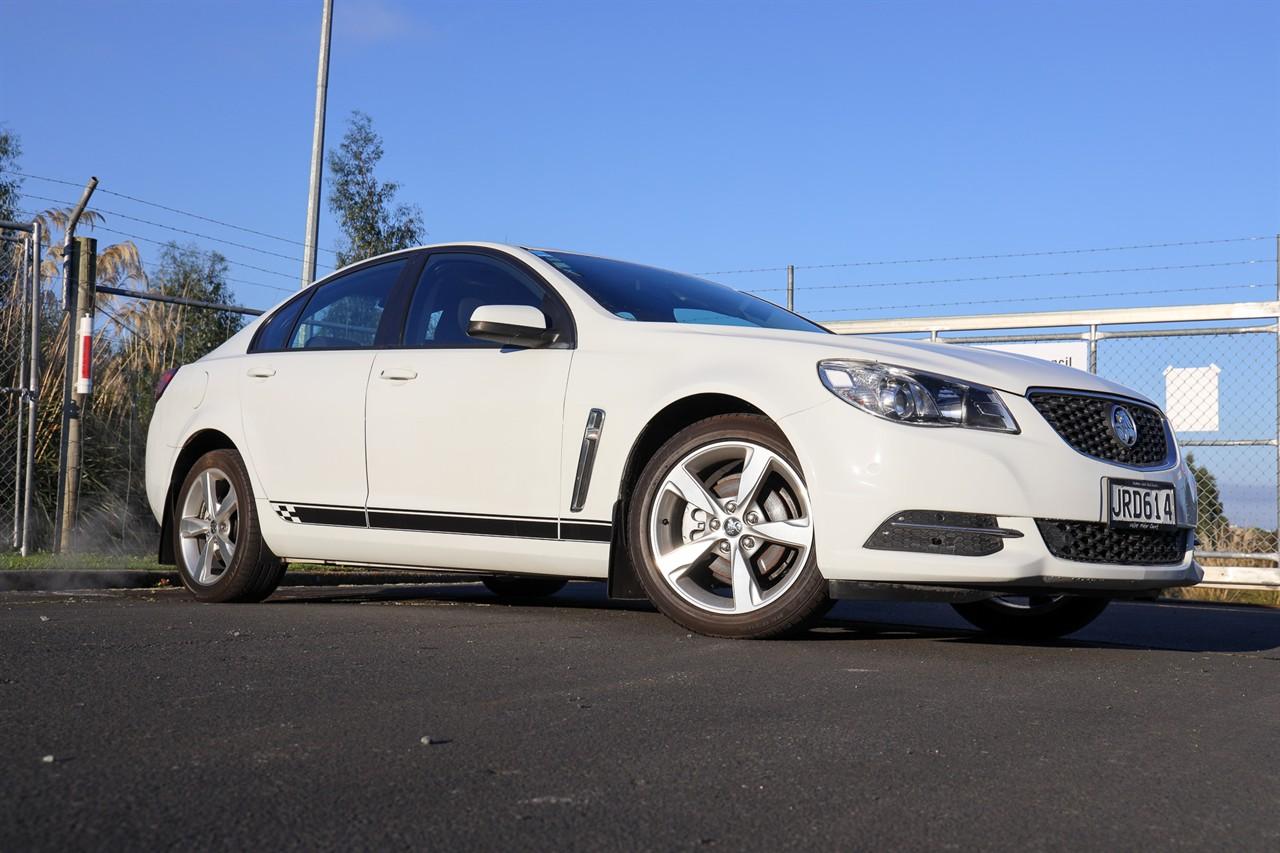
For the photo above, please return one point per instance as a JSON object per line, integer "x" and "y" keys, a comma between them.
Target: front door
{"x": 463, "y": 436}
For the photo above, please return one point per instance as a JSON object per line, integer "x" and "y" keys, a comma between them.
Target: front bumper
{"x": 861, "y": 470}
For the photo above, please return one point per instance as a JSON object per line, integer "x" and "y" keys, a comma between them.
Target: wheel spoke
{"x": 210, "y": 493}
{"x": 190, "y": 527}
{"x": 796, "y": 533}
{"x": 677, "y": 562}
{"x": 227, "y": 507}
{"x": 205, "y": 572}
{"x": 746, "y": 589}
{"x": 692, "y": 490}
{"x": 227, "y": 549}
{"x": 754, "y": 469}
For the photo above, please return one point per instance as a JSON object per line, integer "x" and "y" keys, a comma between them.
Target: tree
{"x": 372, "y": 222}
{"x": 189, "y": 272}
{"x": 1212, "y": 524}
{"x": 10, "y": 184}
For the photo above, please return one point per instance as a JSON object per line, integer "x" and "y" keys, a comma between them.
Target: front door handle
{"x": 398, "y": 374}
{"x": 262, "y": 372}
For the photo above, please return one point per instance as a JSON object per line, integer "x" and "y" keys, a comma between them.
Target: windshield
{"x": 652, "y": 295}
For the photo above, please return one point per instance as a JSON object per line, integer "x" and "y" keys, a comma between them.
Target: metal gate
{"x": 20, "y": 251}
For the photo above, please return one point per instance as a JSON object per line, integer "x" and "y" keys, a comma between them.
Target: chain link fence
{"x": 19, "y": 285}
{"x": 1219, "y": 390}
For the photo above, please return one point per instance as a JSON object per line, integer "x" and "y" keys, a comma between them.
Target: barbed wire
{"x": 33, "y": 213}
{"x": 177, "y": 210}
{"x": 1013, "y": 276}
{"x": 172, "y": 228}
{"x": 991, "y": 257}
{"x": 1040, "y": 298}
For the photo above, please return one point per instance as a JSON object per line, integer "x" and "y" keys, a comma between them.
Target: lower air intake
{"x": 1095, "y": 542}
{"x": 960, "y": 534}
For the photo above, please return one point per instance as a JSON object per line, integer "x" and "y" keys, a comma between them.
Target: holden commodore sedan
{"x": 537, "y": 416}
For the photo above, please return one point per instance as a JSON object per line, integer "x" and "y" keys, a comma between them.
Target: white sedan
{"x": 540, "y": 415}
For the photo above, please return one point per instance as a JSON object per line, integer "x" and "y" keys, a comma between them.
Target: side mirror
{"x": 511, "y": 325}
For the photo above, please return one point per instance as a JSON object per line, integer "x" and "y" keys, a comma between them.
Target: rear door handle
{"x": 262, "y": 372}
{"x": 398, "y": 374}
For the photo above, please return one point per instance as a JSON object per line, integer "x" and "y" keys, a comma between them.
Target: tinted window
{"x": 275, "y": 331}
{"x": 454, "y": 284}
{"x": 344, "y": 313}
{"x": 652, "y": 295}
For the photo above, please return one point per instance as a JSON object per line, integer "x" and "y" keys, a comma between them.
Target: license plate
{"x": 1140, "y": 504}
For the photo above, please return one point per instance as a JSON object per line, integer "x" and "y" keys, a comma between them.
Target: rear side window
{"x": 275, "y": 332}
{"x": 344, "y": 313}
{"x": 453, "y": 285}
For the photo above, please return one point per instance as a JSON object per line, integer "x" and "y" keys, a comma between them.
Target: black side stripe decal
{"x": 440, "y": 522}
{"x": 521, "y": 527}
{"x": 586, "y": 531}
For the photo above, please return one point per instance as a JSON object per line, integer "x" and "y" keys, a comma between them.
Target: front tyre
{"x": 217, "y": 541}
{"x": 720, "y": 531}
{"x": 1034, "y": 617}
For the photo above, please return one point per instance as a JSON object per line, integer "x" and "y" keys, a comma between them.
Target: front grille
{"x": 1084, "y": 422}
{"x": 1095, "y": 542}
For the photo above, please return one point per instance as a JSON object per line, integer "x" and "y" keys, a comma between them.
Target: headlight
{"x": 914, "y": 397}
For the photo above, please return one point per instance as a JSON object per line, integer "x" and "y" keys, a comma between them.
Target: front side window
{"x": 453, "y": 285}
{"x": 652, "y": 295}
{"x": 344, "y": 313}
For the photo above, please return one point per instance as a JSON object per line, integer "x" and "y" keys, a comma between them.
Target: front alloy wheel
{"x": 722, "y": 531}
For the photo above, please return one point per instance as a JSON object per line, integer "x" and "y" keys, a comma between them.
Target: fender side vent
{"x": 923, "y": 531}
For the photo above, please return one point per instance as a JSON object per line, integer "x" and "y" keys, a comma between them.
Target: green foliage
{"x": 195, "y": 274}
{"x": 372, "y": 222}
{"x": 10, "y": 184}
{"x": 1212, "y": 525}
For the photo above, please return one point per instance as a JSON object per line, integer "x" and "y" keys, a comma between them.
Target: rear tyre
{"x": 523, "y": 587}
{"x": 1035, "y": 617}
{"x": 720, "y": 531}
{"x": 217, "y": 541}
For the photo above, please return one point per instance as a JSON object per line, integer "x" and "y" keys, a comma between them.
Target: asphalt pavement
{"x": 435, "y": 716}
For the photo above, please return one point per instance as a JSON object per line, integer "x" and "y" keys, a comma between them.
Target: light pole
{"x": 317, "y": 151}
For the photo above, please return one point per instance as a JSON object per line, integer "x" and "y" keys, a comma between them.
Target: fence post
{"x": 23, "y": 293}
{"x": 86, "y": 279}
{"x": 1093, "y": 349}
{"x": 791, "y": 287}
{"x": 33, "y": 385}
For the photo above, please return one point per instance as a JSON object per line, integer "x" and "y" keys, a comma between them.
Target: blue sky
{"x": 702, "y": 136}
{"x": 708, "y": 136}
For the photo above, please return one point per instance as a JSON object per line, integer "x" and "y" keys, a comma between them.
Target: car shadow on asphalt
{"x": 1145, "y": 626}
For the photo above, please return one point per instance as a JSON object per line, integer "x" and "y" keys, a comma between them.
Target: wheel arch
{"x": 672, "y": 418}
{"x": 197, "y": 445}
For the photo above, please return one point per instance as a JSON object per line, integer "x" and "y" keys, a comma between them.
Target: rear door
{"x": 302, "y": 396}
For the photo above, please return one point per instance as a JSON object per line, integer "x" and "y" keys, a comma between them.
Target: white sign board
{"x": 1071, "y": 353}
{"x": 1191, "y": 398}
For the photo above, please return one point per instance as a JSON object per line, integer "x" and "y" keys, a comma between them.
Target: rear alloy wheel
{"x": 217, "y": 542}
{"x": 511, "y": 586}
{"x": 1032, "y": 617}
{"x": 721, "y": 531}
